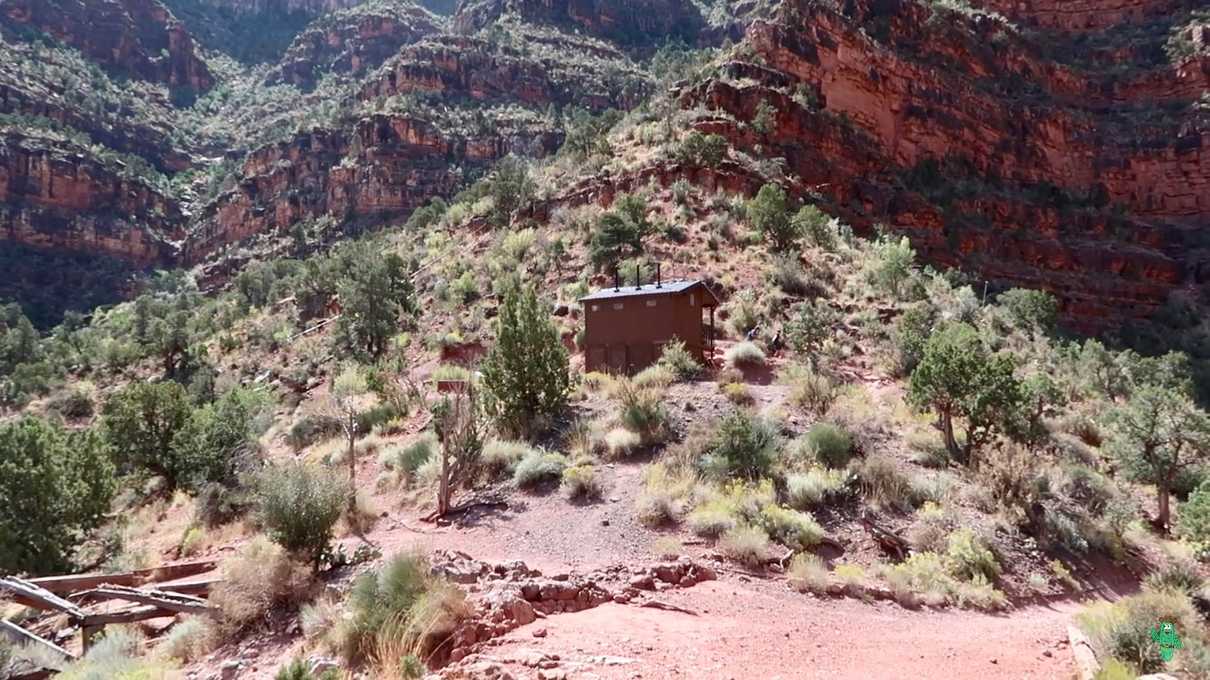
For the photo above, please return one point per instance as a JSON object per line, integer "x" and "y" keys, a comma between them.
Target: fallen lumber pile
{"x": 85, "y": 600}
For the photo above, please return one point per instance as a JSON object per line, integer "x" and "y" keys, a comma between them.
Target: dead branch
{"x": 133, "y": 615}
{"x": 463, "y": 509}
{"x": 656, "y": 604}
{"x": 890, "y": 542}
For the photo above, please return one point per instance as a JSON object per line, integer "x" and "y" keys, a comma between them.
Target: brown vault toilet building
{"x": 626, "y": 327}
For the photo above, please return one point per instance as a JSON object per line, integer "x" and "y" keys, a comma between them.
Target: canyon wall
{"x": 458, "y": 67}
{"x": 56, "y": 197}
{"x": 991, "y": 157}
{"x": 139, "y": 38}
{"x": 624, "y": 21}
{"x": 354, "y": 41}
{"x": 383, "y": 168}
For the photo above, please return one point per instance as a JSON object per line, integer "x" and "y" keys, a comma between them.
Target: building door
{"x": 642, "y": 355}
{"x": 596, "y": 358}
{"x": 617, "y": 358}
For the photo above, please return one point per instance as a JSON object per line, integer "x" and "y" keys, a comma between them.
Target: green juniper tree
{"x": 526, "y": 371}
{"x": 769, "y": 214}
{"x": 959, "y": 379}
{"x": 374, "y": 295}
{"x": 141, "y": 423}
{"x": 56, "y": 486}
{"x": 1157, "y": 434}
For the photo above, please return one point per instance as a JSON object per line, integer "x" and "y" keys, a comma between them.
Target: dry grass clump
{"x": 810, "y": 390}
{"x": 664, "y": 496}
{"x": 580, "y": 482}
{"x": 398, "y": 611}
{"x": 807, "y": 573}
{"x": 537, "y": 467}
{"x": 747, "y": 545}
{"x": 620, "y": 443}
{"x": 745, "y": 355}
{"x": 817, "y": 486}
{"x": 500, "y": 457}
{"x": 259, "y": 581}
{"x": 738, "y": 394}
{"x": 883, "y": 484}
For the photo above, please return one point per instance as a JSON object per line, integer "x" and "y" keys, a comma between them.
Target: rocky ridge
{"x": 136, "y": 37}
{"x": 57, "y": 195}
{"x": 353, "y": 41}
{"x": 384, "y": 167}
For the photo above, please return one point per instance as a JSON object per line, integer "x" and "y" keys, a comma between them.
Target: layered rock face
{"x": 961, "y": 134}
{"x": 353, "y": 41}
{"x": 132, "y": 136}
{"x": 384, "y": 167}
{"x": 1083, "y": 15}
{"x": 314, "y": 7}
{"x": 136, "y": 37}
{"x": 624, "y": 21}
{"x": 479, "y": 69}
{"x": 57, "y": 197}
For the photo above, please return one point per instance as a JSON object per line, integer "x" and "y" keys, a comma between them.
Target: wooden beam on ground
{"x": 126, "y": 616}
{"x": 31, "y": 595}
{"x": 74, "y": 583}
{"x": 162, "y": 599}
{"x": 20, "y": 636}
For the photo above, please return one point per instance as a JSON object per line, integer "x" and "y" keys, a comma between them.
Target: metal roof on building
{"x": 665, "y": 288}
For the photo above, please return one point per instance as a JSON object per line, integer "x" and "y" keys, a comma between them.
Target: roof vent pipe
{"x": 617, "y": 279}
{"x": 638, "y": 275}
{"x": 658, "y": 283}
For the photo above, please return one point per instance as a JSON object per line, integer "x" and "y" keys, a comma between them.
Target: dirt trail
{"x": 761, "y": 630}
{"x": 745, "y": 627}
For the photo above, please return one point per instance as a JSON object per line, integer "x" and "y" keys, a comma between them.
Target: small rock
{"x": 322, "y": 664}
{"x": 230, "y": 670}
{"x": 539, "y": 632}
{"x": 1047, "y": 654}
{"x": 604, "y": 522}
{"x": 643, "y": 583}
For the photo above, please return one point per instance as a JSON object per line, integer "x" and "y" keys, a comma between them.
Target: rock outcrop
{"x": 384, "y": 167}
{"x": 56, "y": 196}
{"x": 353, "y": 41}
{"x": 509, "y": 595}
{"x": 558, "y": 69}
{"x": 140, "y": 38}
{"x": 312, "y": 7}
{"x": 629, "y": 22}
{"x": 991, "y": 157}
{"x": 1083, "y": 15}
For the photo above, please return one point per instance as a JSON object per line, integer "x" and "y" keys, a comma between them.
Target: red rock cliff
{"x": 990, "y": 156}
{"x": 56, "y": 196}
{"x": 353, "y": 41}
{"x": 138, "y": 37}
{"x": 586, "y": 75}
{"x": 385, "y": 167}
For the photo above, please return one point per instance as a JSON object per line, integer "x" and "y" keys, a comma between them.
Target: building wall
{"x": 627, "y": 334}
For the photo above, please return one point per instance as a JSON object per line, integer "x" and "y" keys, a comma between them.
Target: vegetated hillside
{"x": 958, "y": 129}
{"x": 815, "y": 462}
{"x": 140, "y": 38}
{"x": 904, "y": 207}
{"x": 313, "y": 134}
